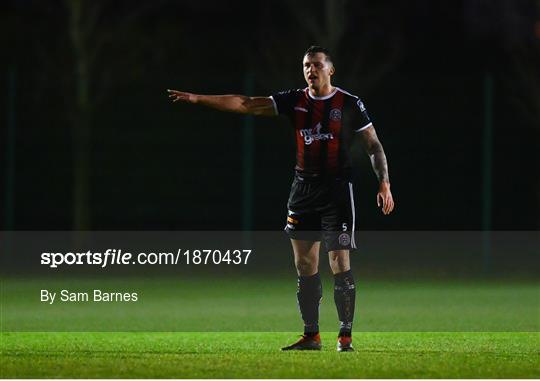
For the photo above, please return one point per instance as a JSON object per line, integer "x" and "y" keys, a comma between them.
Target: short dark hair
{"x": 314, "y": 49}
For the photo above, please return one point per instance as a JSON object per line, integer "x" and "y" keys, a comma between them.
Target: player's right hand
{"x": 182, "y": 96}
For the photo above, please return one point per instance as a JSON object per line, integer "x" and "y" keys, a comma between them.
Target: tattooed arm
{"x": 375, "y": 150}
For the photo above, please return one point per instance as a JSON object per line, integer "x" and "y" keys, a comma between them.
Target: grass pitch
{"x": 268, "y": 304}
{"x": 257, "y": 355}
{"x": 463, "y": 330}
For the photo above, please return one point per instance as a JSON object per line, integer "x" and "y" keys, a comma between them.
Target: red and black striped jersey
{"x": 324, "y": 128}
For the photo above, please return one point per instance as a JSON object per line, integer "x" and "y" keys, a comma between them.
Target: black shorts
{"x": 322, "y": 210}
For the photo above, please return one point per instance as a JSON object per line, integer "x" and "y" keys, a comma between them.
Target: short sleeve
{"x": 361, "y": 118}
{"x": 284, "y": 102}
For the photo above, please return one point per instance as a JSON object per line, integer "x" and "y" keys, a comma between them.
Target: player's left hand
{"x": 384, "y": 198}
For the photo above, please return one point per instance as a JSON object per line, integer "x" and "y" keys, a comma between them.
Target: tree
{"x": 366, "y": 46}
{"x": 88, "y": 40}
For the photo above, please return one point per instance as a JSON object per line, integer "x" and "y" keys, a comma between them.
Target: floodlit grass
{"x": 268, "y": 304}
{"x": 234, "y": 327}
{"x": 257, "y": 355}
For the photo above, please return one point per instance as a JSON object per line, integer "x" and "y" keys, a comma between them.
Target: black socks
{"x": 344, "y": 296}
{"x": 309, "y": 294}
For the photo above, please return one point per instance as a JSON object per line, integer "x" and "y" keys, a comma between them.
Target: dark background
{"x": 90, "y": 140}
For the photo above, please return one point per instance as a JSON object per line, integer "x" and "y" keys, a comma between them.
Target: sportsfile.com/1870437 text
{"x": 120, "y": 257}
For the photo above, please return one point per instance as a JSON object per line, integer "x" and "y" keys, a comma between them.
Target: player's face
{"x": 317, "y": 70}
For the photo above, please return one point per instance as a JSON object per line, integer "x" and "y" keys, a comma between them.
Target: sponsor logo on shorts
{"x": 335, "y": 114}
{"x": 344, "y": 239}
{"x": 292, "y": 220}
